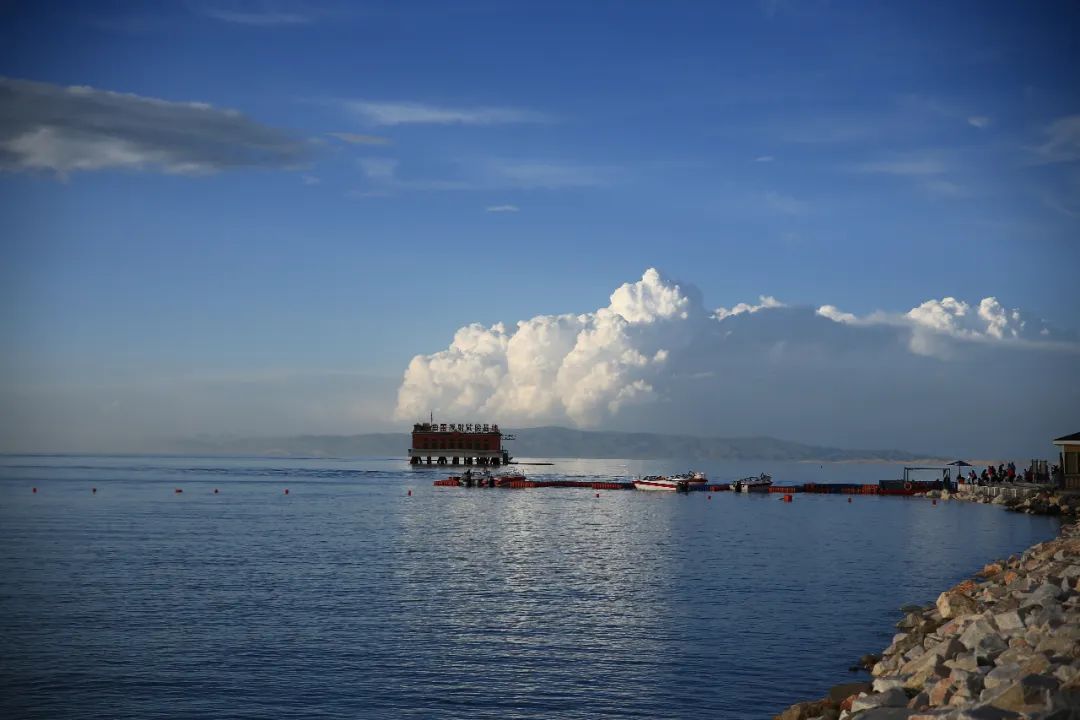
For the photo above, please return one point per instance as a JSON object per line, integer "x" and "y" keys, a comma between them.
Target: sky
{"x": 260, "y": 218}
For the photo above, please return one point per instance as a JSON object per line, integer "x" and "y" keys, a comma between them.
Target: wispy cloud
{"x": 257, "y": 14}
{"x": 906, "y": 166}
{"x": 414, "y": 113}
{"x": 546, "y": 174}
{"x": 945, "y": 188}
{"x": 358, "y": 139}
{"x": 379, "y": 169}
{"x": 1062, "y": 141}
{"x": 784, "y": 203}
{"x": 502, "y": 209}
{"x": 979, "y": 121}
{"x": 764, "y": 158}
{"x": 310, "y": 180}
{"x": 489, "y": 175}
{"x": 65, "y": 129}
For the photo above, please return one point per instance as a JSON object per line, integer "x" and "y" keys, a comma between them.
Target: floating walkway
{"x": 885, "y": 487}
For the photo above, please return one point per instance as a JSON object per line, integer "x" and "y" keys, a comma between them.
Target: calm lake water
{"x": 347, "y": 598}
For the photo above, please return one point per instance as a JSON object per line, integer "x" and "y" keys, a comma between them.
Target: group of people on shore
{"x": 1006, "y": 473}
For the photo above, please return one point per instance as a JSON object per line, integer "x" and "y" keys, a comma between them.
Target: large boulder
{"x": 894, "y": 697}
{"x": 814, "y": 709}
{"x": 955, "y": 602}
{"x": 1030, "y": 693}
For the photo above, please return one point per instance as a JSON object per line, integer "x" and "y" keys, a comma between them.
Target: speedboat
{"x": 683, "y": 482}
{"x": 505, "y": 479}
{"x": 660, "y": 482}
{"x": 761, "y": 483}
{"x": 690, "y": 476}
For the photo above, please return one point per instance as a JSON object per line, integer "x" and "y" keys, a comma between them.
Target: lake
{"x": 349, "y": 598}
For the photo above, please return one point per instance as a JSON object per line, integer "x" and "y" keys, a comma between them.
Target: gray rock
{"x": 963, "y": 661}
{"x": 1009, "y": 622}
{"x": 976, "y": 633}
{"x": 894, "y": 697}
{"x": 1044, "y": 595}
{"x": 1001, "y": 675}
{"x": 883, "y": 684}
{"x": 885, "y": 713}
{"x": 988, "y": 712}
{"x": 1031, "y": 692}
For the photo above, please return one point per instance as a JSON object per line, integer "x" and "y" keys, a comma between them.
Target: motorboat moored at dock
{"x": 683, "y": 482}
{"x": 761, "y": 483}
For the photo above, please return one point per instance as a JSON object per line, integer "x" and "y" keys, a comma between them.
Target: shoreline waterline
{"x": 1004, "y": 643}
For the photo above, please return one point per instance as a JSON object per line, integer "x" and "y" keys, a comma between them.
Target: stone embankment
{"x": 1030, "y": 499}
{"x": 1005, "y": 644}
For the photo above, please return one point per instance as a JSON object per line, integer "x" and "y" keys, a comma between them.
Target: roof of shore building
{"x": 1075, "y": 437}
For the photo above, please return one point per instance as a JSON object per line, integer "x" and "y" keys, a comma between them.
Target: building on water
{"x": 457, "y": 444}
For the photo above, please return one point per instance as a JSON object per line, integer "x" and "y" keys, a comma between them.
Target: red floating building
{"x": 457, "y": 444}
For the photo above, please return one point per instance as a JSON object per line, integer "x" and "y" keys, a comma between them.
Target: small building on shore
{"x": 1069, "y": 459}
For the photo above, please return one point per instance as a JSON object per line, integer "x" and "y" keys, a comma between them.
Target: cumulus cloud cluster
{"x": 66, "y": 129}
{"x": 582, "y": 367}
{"x": 934, "y": 323}
{"x": 656, "y": 357}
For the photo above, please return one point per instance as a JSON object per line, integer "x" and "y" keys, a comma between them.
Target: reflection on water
{"x": 349, "y": 598}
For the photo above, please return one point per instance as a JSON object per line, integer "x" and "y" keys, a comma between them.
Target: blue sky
{"x": 400, "y": 170}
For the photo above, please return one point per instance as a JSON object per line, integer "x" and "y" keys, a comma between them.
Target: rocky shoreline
{"x": 1004, "y": 644}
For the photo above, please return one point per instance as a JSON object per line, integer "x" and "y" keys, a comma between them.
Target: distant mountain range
{"x": 545, "y": 442}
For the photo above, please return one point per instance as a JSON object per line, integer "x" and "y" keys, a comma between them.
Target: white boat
{"x": 751, "y": 484}
{"x": 683, "y": 481}
{"x": 660, "y": 482}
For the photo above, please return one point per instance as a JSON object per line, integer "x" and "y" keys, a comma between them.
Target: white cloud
{"x": 764, "y": 158}
{"x": 67, "y": 129}
{"x": 979, "y": 121}
{"x": 310, "y": 180}
{"x": 654, "y": 359}
{"x": 654, "y": 335}
{"x": 836, "y": 315}
{"x": 414, "y": 113}
{"x": 935, "y": 325}
{"x": 502, "y": 209}
{"x": 765, "y": 302}
{"x": 582, "y": 367}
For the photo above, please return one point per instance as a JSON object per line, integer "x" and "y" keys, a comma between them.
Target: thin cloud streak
{"x": 257, "y": 14}
{"x": 414, "y": 113}
{"x": 359, "y": 139}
